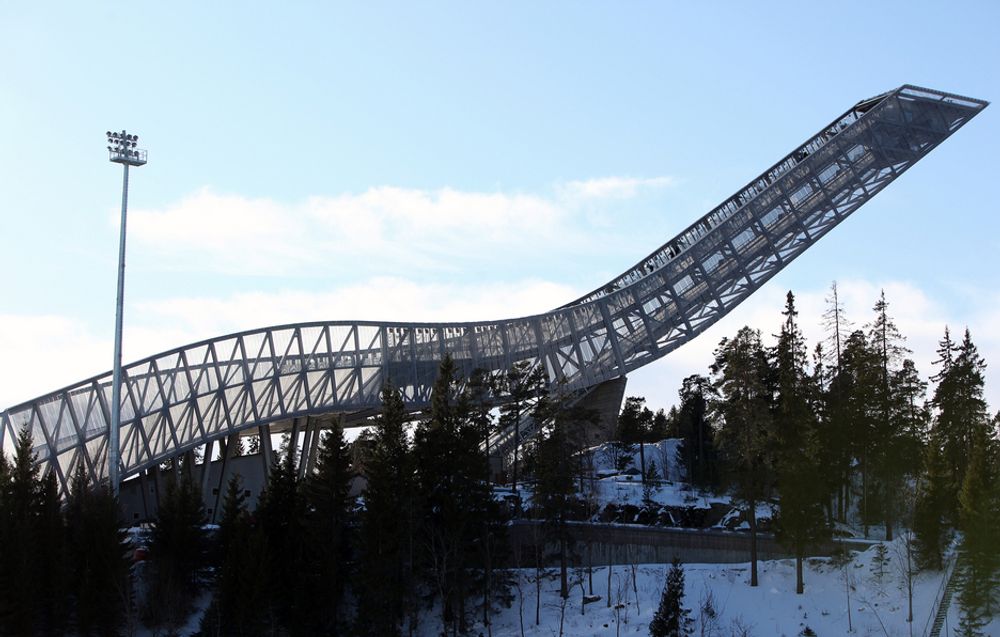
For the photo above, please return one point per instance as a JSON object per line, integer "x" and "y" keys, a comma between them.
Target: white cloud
{"x": 613, "y": 187}
{"x": 389, "y": 229}
{"x": 45, "y": 353}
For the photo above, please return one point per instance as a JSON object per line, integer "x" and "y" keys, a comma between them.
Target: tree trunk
{"x": 799, "y": 585}
{"x": 752, "y": 519}
{"x": 608, "y": 547}
{"x": 864, "y": 491}
{"x": 642, "y": 460}
{"x": 517, "y": 448}
{"x": 563, "y": 568}
{"x": 590, "y": 566}
{"x": 538, "y": 582}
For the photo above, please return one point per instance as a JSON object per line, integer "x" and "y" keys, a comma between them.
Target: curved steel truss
{"x": 192, "y": 395}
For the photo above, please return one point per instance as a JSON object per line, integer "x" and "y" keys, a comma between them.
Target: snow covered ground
{"x": 877, "y": 603}
{"x": 856, "y": 598}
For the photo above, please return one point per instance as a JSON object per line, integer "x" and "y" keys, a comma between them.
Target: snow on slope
{"x": 878, "y": 605}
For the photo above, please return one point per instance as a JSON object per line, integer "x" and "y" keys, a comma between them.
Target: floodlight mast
{"x": 122, "y": 150}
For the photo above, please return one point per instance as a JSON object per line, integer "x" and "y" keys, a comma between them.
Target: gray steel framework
{"x": 192, "y": 395}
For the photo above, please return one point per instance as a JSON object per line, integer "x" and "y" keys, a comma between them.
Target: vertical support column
{"x": 265, "y": 449}
{"x": 144, "y": 488}
{"x": 206, "y": 469}
{"x": 230, "y": 445}
{"x": 156, "y": 485}
{"x": 310, "y": 432}
{"x": 313, "y": 447}
{"x": 293, "y": 441}
{"x": 189, "y": 465}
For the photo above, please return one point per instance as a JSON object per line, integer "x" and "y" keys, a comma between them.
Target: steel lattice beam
{"x": 189, "y": 396}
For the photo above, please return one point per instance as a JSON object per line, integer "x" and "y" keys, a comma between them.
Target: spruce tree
{"x": 959, "y": 403}
{"x": 234, "y": 508}
{"x": 178, "y": 550}
{"x": 453, "y": 496}
{"x": 557, "y": 465}
{"x": 280, "y": 515}
{"x": 21, "y": 578}
{"x": 837, "y": 327}
{"x": 388, "y": 526}
{"x": 860, "y": 374}
{"x": 890, "y": 441}
{"x": 671, "y": 618}
{"x": 931, "y": 508}
{"x": 836, "y": 436}
{"x": 51, "y": 559}
{"x": 697, "y": 450}
{"x": 522, "y": 385}
{"x": 97, "y": 559}
{"x": 742, "y": 405}
{"x": 328, "y": 516}
{"x": 239, "y": 606}
{"x": 801, "y": 523}
{"x": 979, "y": 515}
{"x": 5, "y": 534}
{"x": 634, "y": 423}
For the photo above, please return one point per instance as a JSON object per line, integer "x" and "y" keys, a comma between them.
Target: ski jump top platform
{"x": 189, "y": 396}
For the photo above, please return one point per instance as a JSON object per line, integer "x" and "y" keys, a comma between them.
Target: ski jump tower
{"x": 276, "y": 378}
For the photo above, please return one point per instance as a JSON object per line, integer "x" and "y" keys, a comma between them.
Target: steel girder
{"x": 189, "y": 396}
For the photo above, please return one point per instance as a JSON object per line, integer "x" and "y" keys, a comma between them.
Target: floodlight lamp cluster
{"x": 122, "y": 150}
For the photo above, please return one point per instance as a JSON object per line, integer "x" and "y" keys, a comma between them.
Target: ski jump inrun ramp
{"x": 205, "y": 392}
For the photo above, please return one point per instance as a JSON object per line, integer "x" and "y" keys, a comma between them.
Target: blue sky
{"x": 456, "y": 161}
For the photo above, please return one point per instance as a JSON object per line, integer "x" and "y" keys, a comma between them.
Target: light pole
{"x": 121, "y": 150}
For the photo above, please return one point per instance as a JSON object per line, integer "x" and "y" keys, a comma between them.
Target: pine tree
{"x": 522, "y": 384}
{"x": 979, "y": 515}
{"x": 890, "y": 444}
{"x": 931, "y": 508}
{"x": 671, "y": 618}
{"x": 178, "y": 548}
{"x": 453, "y": 495}
{"x": 958, "y": 402}
{"x": 234, "y": 508}
{"x": 698, "y": 449}
{"x": 836, "y": 437}
{"x": 97, "y": 560}
{"x": 21, "y": 578}
{"x": 280, "y": 515}
{"x": 328, "y": 506}
{"x": 557, "y": 464}
{"x": 388, "y": 525}
{"x": 5, "y": 540}
{"x": 239, "y": 606}
{"x": 634, "y": 423}
{"x": 51, "y": 559}
{"x": 860, "y": 374}
{"x": 661, "y": 425}
{"x": 801, "y": 523}
{"x": 742, "y": 404}
{"x": 837, "y": 327}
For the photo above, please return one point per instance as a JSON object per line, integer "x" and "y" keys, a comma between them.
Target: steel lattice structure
{"x": 196, "y": 394}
